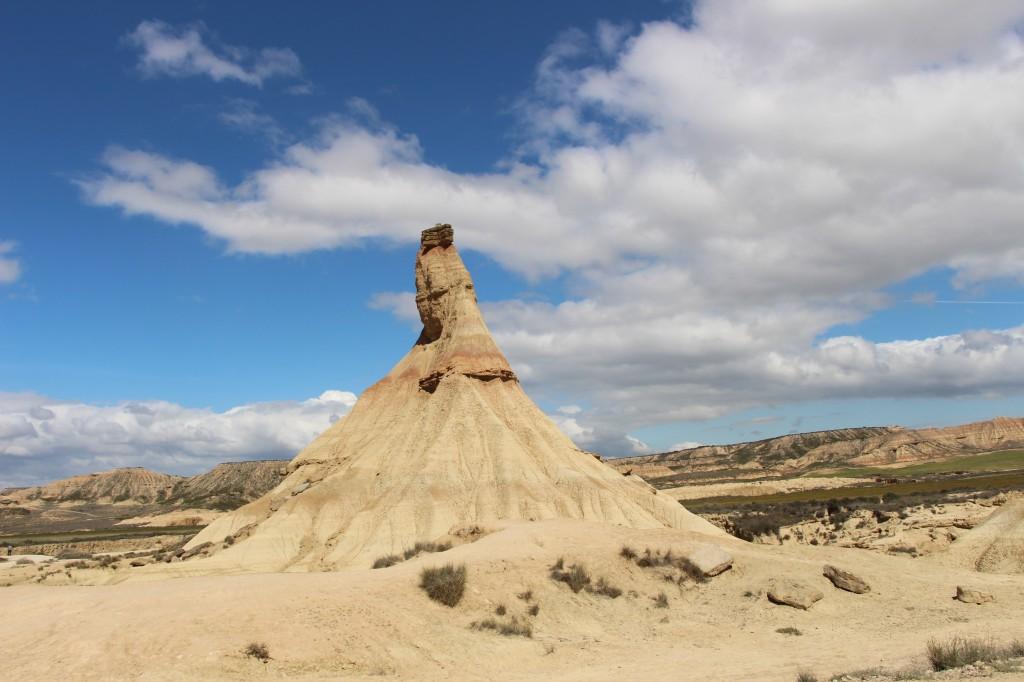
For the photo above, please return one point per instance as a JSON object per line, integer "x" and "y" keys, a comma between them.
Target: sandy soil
{"x": 359, "y": 622}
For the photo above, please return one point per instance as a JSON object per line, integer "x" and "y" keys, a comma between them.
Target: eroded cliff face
{"x": 447, "y": 438}
{"x": 797, "y": 453}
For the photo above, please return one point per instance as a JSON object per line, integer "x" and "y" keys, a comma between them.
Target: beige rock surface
{"x": 793, "y": 593}
{"x": 994, "y": 546}
{"x": 845, "y": 580}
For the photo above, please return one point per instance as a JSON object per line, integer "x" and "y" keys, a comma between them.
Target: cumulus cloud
{"x": 721, "y": 194}
{"x": 42, "y": 439}
{"x": 10, "y": 268}
{"x": 166, "y": 50}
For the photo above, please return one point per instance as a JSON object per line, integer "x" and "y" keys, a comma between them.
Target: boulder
{"x": 710, "y": 559}
{"x": 845, "y": 580}
{"x": 792, "y": 593}
{"x": 969, "y": 596}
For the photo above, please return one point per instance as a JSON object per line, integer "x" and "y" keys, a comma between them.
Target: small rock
{"x": 845, "y": 580}
{"x": 710, "y": 559}
{"x": 791, "y": 593}
{"x": 300, "y": 488}
{"x": 969, "y": 596}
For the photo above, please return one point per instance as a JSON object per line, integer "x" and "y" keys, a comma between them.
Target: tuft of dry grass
{"x": 526, "y": 596}
{"x": 508, "y": 628}
{"x": 257, "y": 650}
{"x": 789, "y": 631}
{"x": 576, "y": 576}
{"x": 605, "y": 589}
{"x": 387, "y": 560}
{"x": 661, "y": 601}
{"x": 627, "y": 552}
{"x": 958, "y": 651}
{"x": 418, "y": 548}
{"x": 806, "y": 676}
{"x": 534, "y": 609}
{"x": 500, "y": 611}
{"x": 444, "y": 584}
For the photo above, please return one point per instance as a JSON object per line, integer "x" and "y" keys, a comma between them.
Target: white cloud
{"x": 10, "y": 268}
{"x": 42, "y": 439}
{"x": 720, "y": 195}
{"x": 401, "y": 304}
{"x": 245, "y": 116}
{"x": 685, "y": 445}
{"x": 166, "y": 50}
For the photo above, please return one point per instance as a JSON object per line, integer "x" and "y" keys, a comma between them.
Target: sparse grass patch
{"x": 418, "y": 548}
{"x": 508, "y": 628}
{"x": 23, "y": 562}
{"x": 534, "y": 609}
{"x": 605, "y": 589}
{"x": 425, "y": 547}
{"x": 627, "y": 552}
{"x": 959, "y": 651}
{"x": 444, "y": 584}
{"x": 805, "y": 676}
{"x": 655, "y": 558}
{"x": 257, "y": 650}
{"x": 576, "y": 576}
{"x": 789, "y": 631}
{"x": 500, "y": 611}
{"x": 387, "y": 560}
{"x": 661, "y": 601}
{"x": 526, "y": 596}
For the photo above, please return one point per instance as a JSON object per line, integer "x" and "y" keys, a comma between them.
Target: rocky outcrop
{"x": 971, "y": 596}
{"x": 710, "y": 560}
{"x": 447, "y": 439}
{"x": 845, "y": 580}
{"x": 795, "y": 594}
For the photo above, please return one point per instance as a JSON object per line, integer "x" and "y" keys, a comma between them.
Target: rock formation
{"x": 447, "y": 438}
{"x": 797, "y": 453}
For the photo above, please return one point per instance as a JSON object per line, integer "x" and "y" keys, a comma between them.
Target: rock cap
{"x": 440, "y": 234}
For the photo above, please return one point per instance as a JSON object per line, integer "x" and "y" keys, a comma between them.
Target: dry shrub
{"x": 444, "y": 584}
{"x": 534, "y": 609}
{"x": 23, "y": 562}
{"x": 805, "y": 676}
{"x": 500, "y": 611}
{"x": 627, "y": 552}
{"x": 661, "y": 601}
{"x": 257, "y": 650}
{"x": 576, "y": 576}
{"x": 526, "y": 596}
{"x": 385, "y": 561}
{"x": 789, "y": 631}
{"x": 605, "y": 589}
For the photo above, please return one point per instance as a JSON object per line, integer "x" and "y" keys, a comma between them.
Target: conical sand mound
{"x": 448, "y": 438}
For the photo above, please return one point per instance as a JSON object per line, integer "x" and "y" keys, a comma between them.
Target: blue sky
{"x": 686, "y": 224}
